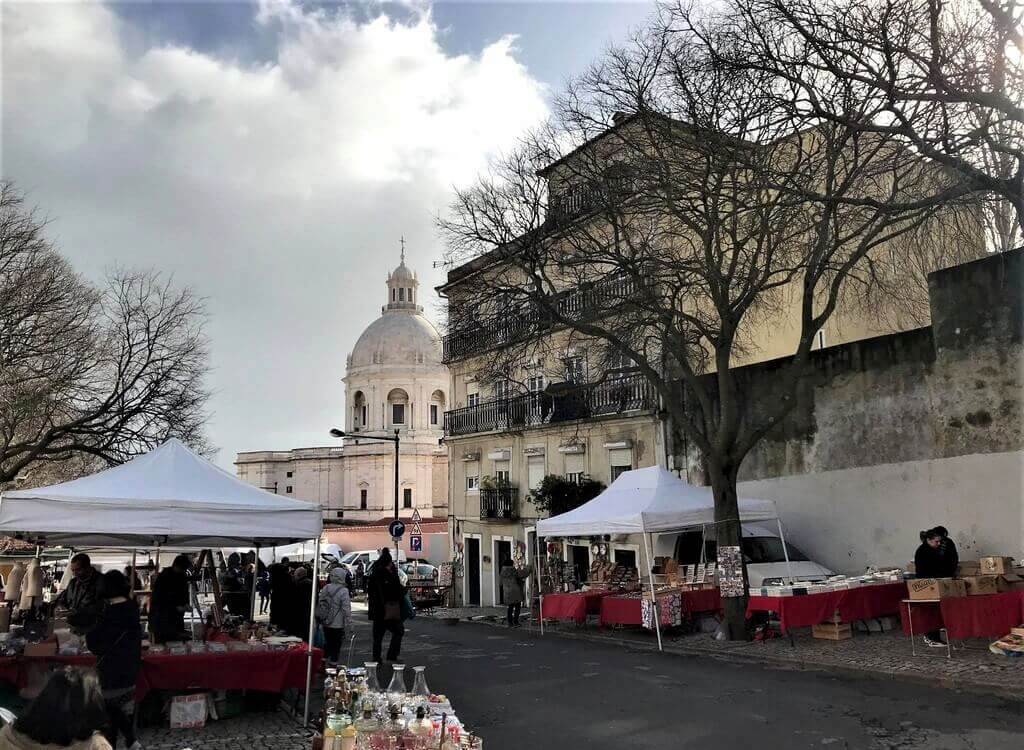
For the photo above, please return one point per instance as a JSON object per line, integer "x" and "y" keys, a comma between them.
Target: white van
{"x": 367, "y": 557}
{"x": 762, "y": 552}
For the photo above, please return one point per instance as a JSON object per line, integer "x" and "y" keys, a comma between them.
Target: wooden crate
{"x": 832, "y": 631}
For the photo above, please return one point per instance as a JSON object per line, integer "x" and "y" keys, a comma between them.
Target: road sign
{"x": 415, "y": 542}
{"x": 396, "y": 529}
{"x": 416, "y": 518}
{"x": 416, "y": 529}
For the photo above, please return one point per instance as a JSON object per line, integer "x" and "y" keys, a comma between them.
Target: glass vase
{"x": 419, "y": 683}
{"x": 396, "y": 688}
{"x": 372, "y": 686}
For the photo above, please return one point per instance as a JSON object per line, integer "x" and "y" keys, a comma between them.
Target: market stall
{"x": 985, "y": 616}
{"x": 574, "y": 606}
{"x": 865, "y": 599}
{"x": 628, "y": 609}
{"x": 646, "y": 502}
{"x": 168, "y": 498}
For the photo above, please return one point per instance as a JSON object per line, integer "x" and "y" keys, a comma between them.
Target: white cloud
{"x": 276, "y": 190}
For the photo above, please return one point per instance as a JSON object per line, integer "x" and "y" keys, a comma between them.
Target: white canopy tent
{"x": 169, "y": 497}
{"x": 647, "y": 501}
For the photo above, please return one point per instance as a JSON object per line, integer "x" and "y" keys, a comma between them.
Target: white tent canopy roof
{"x": 647, "y": 500}
{"x": 170, "y": 496}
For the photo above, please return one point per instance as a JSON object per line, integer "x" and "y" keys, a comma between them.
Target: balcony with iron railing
{"x": 470, "y": 337}
{"x": 499, "y": 503}
{"x": 618, "y": 394}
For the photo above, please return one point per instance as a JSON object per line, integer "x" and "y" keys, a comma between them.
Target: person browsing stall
{"x": 170, "y": 601}
{"x": 385, "y": 593}
{"x": 79, "y": 598}
{"x": 117, "y": 643}
{"x": 334, "y": 613}
{"x": 67, "y": 713}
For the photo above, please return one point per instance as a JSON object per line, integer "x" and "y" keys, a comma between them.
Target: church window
{"x": 407, "y": 498}
{"x": 397, "y": 413}
{"x": 288, "y": 489}
{"x": 401, "y": 294}
{"x": 398, "y": 400}
{"x": 289, "y": 474}
{"x": 362, "y": 499}
{"x": 433, "y": 414}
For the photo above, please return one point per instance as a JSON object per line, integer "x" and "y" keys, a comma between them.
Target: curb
{"x": 766, "y": 660}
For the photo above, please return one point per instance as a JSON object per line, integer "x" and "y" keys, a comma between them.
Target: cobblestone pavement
{"x": 973, "y": 666}
{"x": 269, "y": 731}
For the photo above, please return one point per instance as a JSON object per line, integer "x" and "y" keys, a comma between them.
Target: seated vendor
{"x": 79, "y": 598}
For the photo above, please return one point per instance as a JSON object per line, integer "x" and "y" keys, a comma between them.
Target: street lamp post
{"x": 335, "y": 432}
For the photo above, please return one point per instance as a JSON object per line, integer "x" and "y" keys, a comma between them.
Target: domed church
{"x": 394, "y": 382}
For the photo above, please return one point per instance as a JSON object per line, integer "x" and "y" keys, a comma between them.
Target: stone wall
{"x": 951, "y": 389}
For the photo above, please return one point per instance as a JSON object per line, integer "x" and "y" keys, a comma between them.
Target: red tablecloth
{"x": 988, "y": 616}
{"x": 862, "y": 603}
{"x": 269, "y": 671}
{"x": 626, "y": 610}
{"x": 574, "y": 606}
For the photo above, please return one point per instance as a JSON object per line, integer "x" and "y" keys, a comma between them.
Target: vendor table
{"x": 268, "y": 671}
{"x": 573, "y": 606}
{"x": 987, "y": 616}
{"x": 861, "y": 603}
{"x": 627, "y": 610}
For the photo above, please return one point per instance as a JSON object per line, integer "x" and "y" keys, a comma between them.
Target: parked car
{"x": 367, "y": 557}
{"x": 762, "y": 553}
{"x": 423, "y": 583}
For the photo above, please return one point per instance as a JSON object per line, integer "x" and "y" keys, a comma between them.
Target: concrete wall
{"x": 852, "y": 518}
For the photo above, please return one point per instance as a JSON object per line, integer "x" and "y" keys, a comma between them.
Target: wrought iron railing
{"x": 615, "y": 395}
{"x": 471, "y": 337}
{"x": 501, "y": 503}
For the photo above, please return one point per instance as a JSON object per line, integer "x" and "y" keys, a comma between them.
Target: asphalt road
{"x": 519, "y": 690}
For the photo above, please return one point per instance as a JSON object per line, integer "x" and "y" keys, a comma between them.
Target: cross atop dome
{"x": 402, "y": 287}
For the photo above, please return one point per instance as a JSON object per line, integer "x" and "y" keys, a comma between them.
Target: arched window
{"x": 359, "y": 412}
{"x": 398, "y": 405}
{"x": 436, "y": 407}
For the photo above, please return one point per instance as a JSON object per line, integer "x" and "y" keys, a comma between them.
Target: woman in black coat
{"x": 930, "y": 561}
{"x": 117, "y": 643}
{"x": 385, "y": 593}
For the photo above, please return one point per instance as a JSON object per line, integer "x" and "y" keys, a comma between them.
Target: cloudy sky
{"x": 270, "y": 154}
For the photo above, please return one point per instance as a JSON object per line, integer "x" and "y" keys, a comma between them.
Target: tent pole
{"x": 540, "y": 585}
{"x": 312, "y": 625}
{"x": 785, "y": 551}
{"x": 255, "y": 577}
{"x": 703, "y": 541}
{"x": 654, "y": 598}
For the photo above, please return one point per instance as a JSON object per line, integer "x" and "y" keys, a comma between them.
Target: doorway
{"x": 502, "y": 552}
{"x": 579, "y": 558}
{"x": 472, "y": 571}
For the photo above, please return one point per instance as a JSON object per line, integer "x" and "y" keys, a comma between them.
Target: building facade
{"x": 395, "y": 383}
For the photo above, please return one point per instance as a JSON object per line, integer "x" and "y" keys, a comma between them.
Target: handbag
{"x": 318, "y": 637}
{"x": 392, "y": 611}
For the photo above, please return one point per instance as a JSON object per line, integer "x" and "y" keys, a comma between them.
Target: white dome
{"x": 398, "y": 337}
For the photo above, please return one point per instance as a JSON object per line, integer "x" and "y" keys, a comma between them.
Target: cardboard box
{"x": 1010, "y": 582}
{"x": 969, "y": 568}
{"x": 935, "y": 588}
{"x": 832, "y": 631}
{"x": 43, "y": 648}
{"x": 981, "y": 585}
{"x": 996, "y": 565}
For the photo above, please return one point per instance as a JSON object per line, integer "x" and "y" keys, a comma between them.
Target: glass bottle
{"x": 421, "y": 726}
{"x": 419, "y": 683}
{"x": 372, "y": 686}
{"x": 348, "y": 737}
{"x": 397, "y": 689}
{"x": 367, "y": 724}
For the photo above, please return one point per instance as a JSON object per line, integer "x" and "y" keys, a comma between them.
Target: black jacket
{"x": 117, "y": 642}
{"x": 170, "y": 593}
{"x": 79, "y": 598}
{"x": 932, "y": 563}
{"x": 383, "y": 587}
{"x": 301, "y": 598}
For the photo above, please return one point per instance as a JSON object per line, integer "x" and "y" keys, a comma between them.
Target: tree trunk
{"x": 727, "y": 519}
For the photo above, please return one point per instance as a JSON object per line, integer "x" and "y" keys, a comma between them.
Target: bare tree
{"x": 680, "y": 238}
{"x": 84, "y": 371}
{"x": 944, "y": 77}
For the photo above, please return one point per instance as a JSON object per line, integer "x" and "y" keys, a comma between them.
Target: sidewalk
{"x": 881, "y": 655}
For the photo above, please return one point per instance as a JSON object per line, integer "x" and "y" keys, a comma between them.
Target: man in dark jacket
{"x": 385, "y": 593}
{"x": 79, "y": 598}
{"x": 170, "y": 601}
{"x": 280, "y": 593}
{"x": 302, "y": 597}
{"x": 116, "y": 640}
